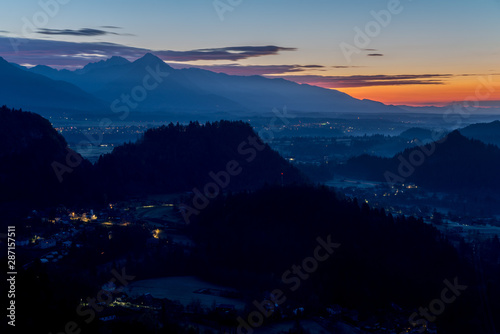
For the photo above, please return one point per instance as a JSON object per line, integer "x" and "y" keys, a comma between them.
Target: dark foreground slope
{"x": 377, "y": 260}
{"x": 29, "y": 147}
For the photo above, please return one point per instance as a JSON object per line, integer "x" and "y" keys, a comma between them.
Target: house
{"x": 47, "y": 243}
{"x": 145, "y": 299}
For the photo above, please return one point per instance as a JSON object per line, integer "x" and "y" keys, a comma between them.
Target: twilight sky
{"x": 415, "y": 52}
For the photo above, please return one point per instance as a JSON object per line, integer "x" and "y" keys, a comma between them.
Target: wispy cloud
{"x": 370, "y": 80}
{"x": 74, "y": 54}
{"x": 72, "y": 32}
{"x": 343, "y": 66}
{"x": 373, "y": 53}
{"x": 245, "y": 70}
{"x": 111, "y": 27}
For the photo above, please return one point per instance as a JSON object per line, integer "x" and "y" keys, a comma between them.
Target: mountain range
{"x": 150, "y": 85}
{"x": 24, "y": 89}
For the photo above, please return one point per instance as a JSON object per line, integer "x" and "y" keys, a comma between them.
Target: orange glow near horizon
{"x": 459, "y": 89}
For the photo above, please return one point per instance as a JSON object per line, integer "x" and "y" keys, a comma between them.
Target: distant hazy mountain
{"x": 52, "y": 73}
{"x": 201, "y": 91}
{"x": 22, "y": 89}
{"x": 100, "y": 65}
{"x": 149, "y": 83}
{"x": 103, "y": 72}
{"x": 485, "y": 132}
{"x": 262, "y": 94}
{"x": 171, "y": 90}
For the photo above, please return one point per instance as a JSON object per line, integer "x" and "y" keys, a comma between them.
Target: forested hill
{"x": 37, "y": 168}
{"x": 455, "y": 163}
{"x": 181, "y": 157}
{"x": 485, "y": 132}
{"x": 29, "y": 146}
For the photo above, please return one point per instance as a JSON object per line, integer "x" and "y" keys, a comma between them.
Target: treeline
{"x": 38, "y": 169}
{"x": 455, "y": 163}
{"x": 485, "y": 132}
{"x": 175, "y": 157}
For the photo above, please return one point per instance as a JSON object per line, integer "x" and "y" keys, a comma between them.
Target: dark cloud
{"x": 75, "y": 54}
{"x": 343, "y": 66}
{"x": 310, "y": 66}
{"x": 72, "y": 32}
{"x": 375, "y": 55}
{"x": 370, "y": 80}
{"x": 111, "y": 27}
{"x": 4, "y": 31}
{"x": 62, "y": 54}
{"x": 235, "y": 69}
{"x": 228, "y": 53}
